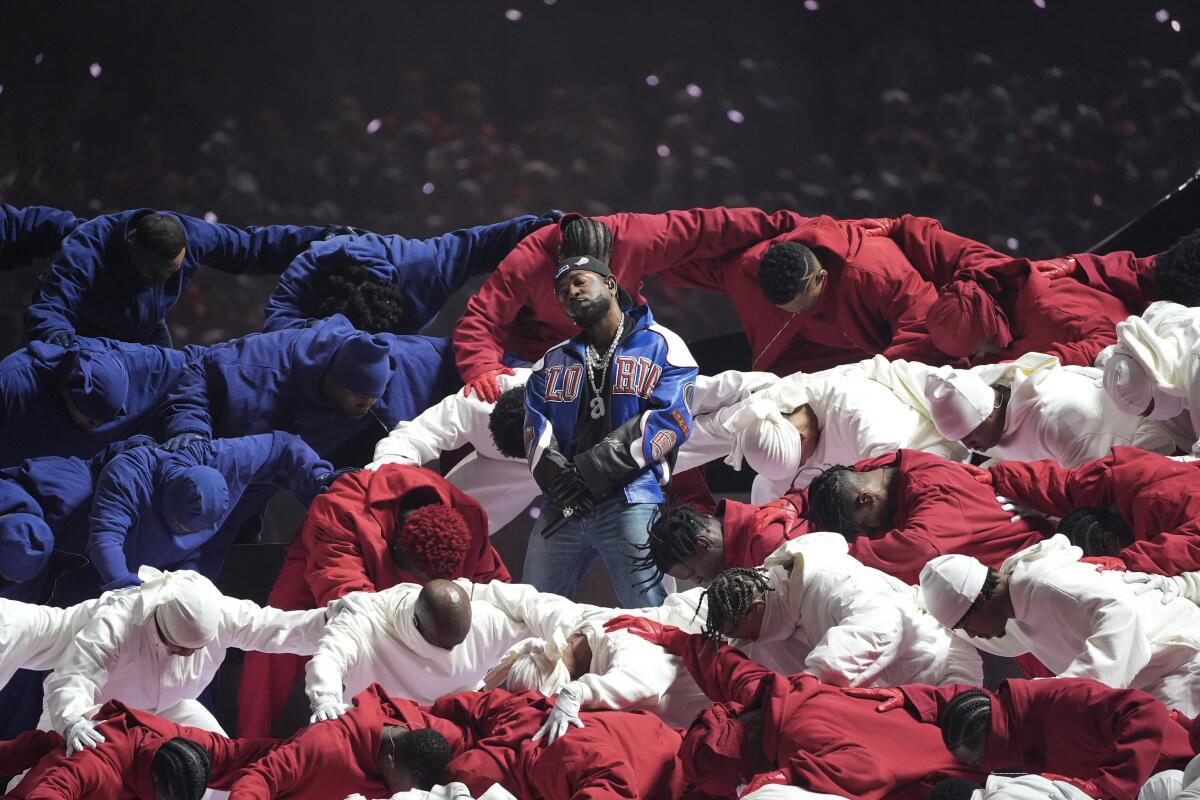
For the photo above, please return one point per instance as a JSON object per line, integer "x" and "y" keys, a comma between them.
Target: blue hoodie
{"x": 32, "y": 232}
{"x": 271, "y": 381}
{"x": 33, "y": 418}
{"x": 426, "y": 271}
{"x": 128, "y": 527}
{"x": 92, "y": 289}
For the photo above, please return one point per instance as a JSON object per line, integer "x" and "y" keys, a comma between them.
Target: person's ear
{"x": 819, "y": 278}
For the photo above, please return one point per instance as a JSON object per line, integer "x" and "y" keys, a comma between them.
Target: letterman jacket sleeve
{"x": 650, "y": 439}
{"x": 541, "y": 448}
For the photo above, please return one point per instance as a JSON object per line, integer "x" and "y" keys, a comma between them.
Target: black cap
{"x": 592, "y": 265}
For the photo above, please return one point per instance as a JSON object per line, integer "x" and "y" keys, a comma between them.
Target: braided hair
{"x": 182, "y": 769}
{"x": 986, "y": 593}
{"x": 729, "y": 599}
{"x": 1097, "y": 531}
{"x": 965, "y": 720}
{"x": 371, "y": 303}
{"x": 672, "y": 538}
{"x": 953, "y": 789}
{"x": 829, "y": 510}
{"x": 585, "y": 236}
{"x": 785, "y": 271}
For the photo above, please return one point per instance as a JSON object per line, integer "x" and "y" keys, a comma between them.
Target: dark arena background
{"x": 1040, "y": 127}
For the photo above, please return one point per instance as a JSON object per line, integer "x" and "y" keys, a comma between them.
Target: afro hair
{"x": 369, "y": 302}
{"x": 785, "y": 271}
{"x": 1177, "y": 272}
{"x": 507, "y": 423}
{"x": 437, "y": 538}
{"x": 426, "y": 753}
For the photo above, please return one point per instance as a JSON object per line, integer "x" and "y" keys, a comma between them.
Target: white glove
{"x": 458, "y": 791}
{"x": 1170, "y": 587}
{"x": 82, "y": 734}
{"x": 328, "y": 711}
{"x": 564, "y": 713}
{"x": 354, "y": 602}
{"x": 1018, "y": 512}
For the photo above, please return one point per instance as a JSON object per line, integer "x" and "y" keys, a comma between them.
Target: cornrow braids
{"x": 672, "y": 538}
{"x": 585, "y": 236}
{"x": 1096, "y": 531}
{"x": 785, "y": 271}
{"x": 370, "y": 303}
{"x": 829, "y": 512}
{"x": 182, "y": 768}
{"x": 965, "y": 719}
{"x": 986, "y": 593}
{"x": 729, "y": 598}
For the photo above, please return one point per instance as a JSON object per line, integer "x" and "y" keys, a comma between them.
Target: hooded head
{"x": 713, "y": 751}
{"x": 949, "y": 586}
{"x": 965, "y": 319}
{"x": 959, "y": 403}
{"x": 533, "y": 665}
{"x": 768, "y": 440}
{"x": 96, "y": 384}
{"x": 1134, "y": 392}
{"x": 194, "y": 498}
{"x": 26, "y": 543}
{"x": 184, "y": 605}
{"x": 363, "y": 365}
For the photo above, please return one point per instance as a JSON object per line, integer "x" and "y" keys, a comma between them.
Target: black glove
{"x": 568, "y": 490}
{"x": 325, "y": 480}
{"x": 63, "y": 339}
{"x": 176, "y": 443}
{"x": 342, "y": 230}
{"x": 550, "y": 217}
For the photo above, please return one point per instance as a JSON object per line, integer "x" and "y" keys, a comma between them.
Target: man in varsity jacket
{"x": 606, "y": 412}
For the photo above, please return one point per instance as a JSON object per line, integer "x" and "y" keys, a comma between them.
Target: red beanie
{"x": 437, "y": 538}
{"x": 712, "y": 750}
{"x": 964, "y": 315}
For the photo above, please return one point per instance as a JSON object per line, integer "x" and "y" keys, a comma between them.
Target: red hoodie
{"x": 746, "y": 545}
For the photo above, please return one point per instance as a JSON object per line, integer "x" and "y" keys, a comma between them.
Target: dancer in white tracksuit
{"x": 499, "y": 480}
{"x": 37, "y": 637}
{"x": 1078, "y": 620}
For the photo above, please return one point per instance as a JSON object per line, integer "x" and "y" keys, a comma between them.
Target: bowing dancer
{"x": 1152, "y": 370}
{"x": 821, "y": 739}
{"x": 1139, "y": 507}
{"x": 1078, "y": 620}
{"x": 1106, "y": 742}
{"x": 380, "y": 746}
{"x": 57, "y": 401}
{"x": 32, "y": 232}
{"x": 119, "y": 275}
{"x": 1033, "y": 408}
{"x": 371, "y": 531}
{"x": 906, "y": 508}
{"x": 158, "y": 646}
{"x": 180, "y": 510}
{"x": 389, "y": 283}
{"x": 601, "y": 472}
{"x": 517, "y": 309}
{"x": 143, "y": 757}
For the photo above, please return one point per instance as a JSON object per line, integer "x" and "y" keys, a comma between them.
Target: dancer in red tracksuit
{"x": 350, "y": 541}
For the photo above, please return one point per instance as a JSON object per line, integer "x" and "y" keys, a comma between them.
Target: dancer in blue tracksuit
{"x": 325, "y": 383}
{"x": 168, "y": 510}
{"x": 389, "y": 283}
{"x": 605, "y": 414}
{"x": 32, "y": 232}
{"x": 57, "y": 401}
{"x": 119, "y": 275}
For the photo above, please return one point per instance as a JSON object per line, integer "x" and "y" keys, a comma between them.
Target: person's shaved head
{"x": 443, "y": 613}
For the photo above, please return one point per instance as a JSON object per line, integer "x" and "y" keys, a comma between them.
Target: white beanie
{"x": 949, "y": 585}
{"x": 959, "y": 403}
{"x": 186, "y": 605}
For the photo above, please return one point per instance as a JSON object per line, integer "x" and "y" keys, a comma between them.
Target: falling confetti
{"x": 1162, "y": 15}
{"x": 811, "y": 5}
{"x": 663, "y": 151}
{"x": 1040, "y": 3}
{"x": 95, "y": 69}
{"x": 1175, "y": 26}
{"x": 513, "y": 15}
{"x": 652, "y": 80}
{"x": 210, "y": 216}
{"x": 39, "y": 58}
{"x": 427, "y": 188}
{"x": 693, "y": 90}
{"x": 374, "y": 125}
{"x": 735, "y": 116}
{"x": 1012, "y": 243}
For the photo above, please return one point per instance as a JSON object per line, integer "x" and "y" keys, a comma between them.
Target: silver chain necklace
{"x": 596, "y": 406}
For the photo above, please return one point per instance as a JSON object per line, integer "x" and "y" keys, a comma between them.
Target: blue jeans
{"x": 612, "y": 532}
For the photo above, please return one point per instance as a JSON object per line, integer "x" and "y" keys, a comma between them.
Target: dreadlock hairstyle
{"x": 729, "y": 598}
{"x": 965, "y": 719}
{"x": 182, "y": 769}
{"x": 370, "y": 303}
{"x": 829, "y": 511}
{"x": 426, "y": 753}
{"x": 506, "y": 423}
{"x": 584, "y": 236}
{"x": 1177, "y": 272}
{"x": 785, "y": 271}
{"x": 1097, "y": 531}
{"x": 672, "y": 538}
{"x": 953, "y": 789}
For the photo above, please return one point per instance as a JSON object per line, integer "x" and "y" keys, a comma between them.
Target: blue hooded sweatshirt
{"x": 32, "y": 232}
{"x": 93, "y": 290}
{"x": 34, "y": 420}
{"x": 426, "y": 271}
{"x": 131, "y": 522}
{"x": 271, "y": 381}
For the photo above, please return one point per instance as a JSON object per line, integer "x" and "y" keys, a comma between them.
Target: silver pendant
{"x": 596, "y": 407}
